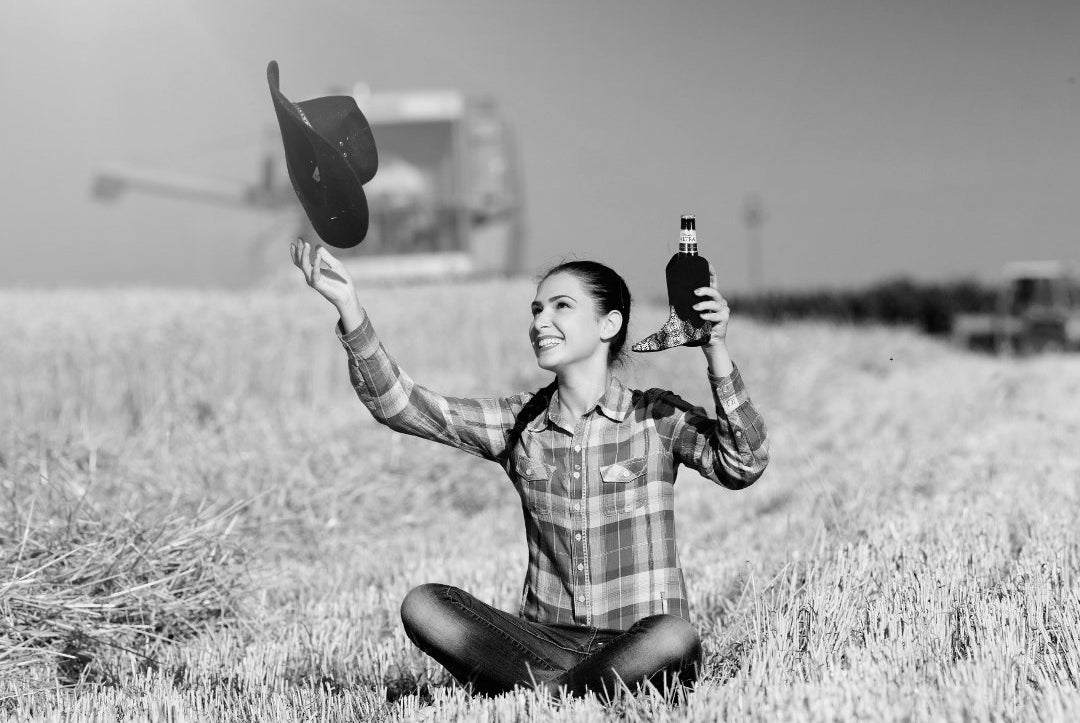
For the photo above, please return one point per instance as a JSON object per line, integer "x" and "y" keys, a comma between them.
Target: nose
{"x": 540, "y": 322}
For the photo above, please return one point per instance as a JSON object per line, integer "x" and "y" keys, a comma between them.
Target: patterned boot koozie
{"x": 685, "y": 271}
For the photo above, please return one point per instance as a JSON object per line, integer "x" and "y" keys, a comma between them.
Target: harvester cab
{"x": 446, "y": 201}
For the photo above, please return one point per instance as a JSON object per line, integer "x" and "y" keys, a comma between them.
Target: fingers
{"x": 316, "y": 267}
{"x": 711, "y": 290}
{"x": 306, "y": 260}
{"x": 322, "y": 271}
{"x": 330, "y": 260}
{"x": 717, "y": 314}
{"x": 335, "y": 269}
{"x": 715, "y": 307}
{"x": 712, "y": 294}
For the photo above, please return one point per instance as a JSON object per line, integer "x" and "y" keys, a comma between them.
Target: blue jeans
{"x": 492, "y": 651}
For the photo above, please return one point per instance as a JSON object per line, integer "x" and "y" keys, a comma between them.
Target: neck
{"x": 582, "y": 387}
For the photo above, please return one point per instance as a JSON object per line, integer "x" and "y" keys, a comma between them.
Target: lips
{"x": 547, "y": 342}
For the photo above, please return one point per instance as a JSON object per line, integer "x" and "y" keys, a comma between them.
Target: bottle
{"x": 686, "y": 271}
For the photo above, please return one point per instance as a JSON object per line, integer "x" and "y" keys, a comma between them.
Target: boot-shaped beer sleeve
{"x": 685, "y": 271}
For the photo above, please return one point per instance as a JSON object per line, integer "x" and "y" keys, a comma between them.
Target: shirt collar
{"x": 614, "y": 404}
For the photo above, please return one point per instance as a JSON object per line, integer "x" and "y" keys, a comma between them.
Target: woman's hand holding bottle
{"x": 714, "y": 308}
{"x": 332, "y": 282}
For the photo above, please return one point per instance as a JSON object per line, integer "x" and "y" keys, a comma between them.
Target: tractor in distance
{"x": 1037, "y": 309}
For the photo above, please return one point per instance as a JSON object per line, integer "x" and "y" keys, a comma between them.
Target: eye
{"x": 562, "y": 303}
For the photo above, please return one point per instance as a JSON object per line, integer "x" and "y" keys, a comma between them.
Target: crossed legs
{"x": 493, "y": 651}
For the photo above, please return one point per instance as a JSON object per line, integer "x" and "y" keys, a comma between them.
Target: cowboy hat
{"x": 330, "y": 153}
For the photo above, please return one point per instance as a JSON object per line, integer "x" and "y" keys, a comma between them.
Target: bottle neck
{"x": 688, "y": 242}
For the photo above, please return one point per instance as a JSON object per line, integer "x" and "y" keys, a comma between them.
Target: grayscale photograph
{"x": 507, "y": 360}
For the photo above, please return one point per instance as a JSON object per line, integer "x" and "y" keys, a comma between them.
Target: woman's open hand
{"x": 333, "y": 282}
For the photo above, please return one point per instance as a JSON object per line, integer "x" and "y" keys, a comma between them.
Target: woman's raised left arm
{"x": 732, "y": 449}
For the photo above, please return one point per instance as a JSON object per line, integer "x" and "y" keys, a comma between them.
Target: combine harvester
{"x": 1038, "y": 309}
{"x": 446, "y": 201}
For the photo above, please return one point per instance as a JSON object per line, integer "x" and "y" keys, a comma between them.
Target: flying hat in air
{"x": 330, "y": 153}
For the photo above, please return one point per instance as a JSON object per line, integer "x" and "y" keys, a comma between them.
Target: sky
{"x": 920, "y": 138}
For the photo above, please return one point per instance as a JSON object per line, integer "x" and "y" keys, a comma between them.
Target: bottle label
{"x": 688, "y": 241}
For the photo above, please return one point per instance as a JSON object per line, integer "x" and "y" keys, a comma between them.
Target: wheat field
{"x": 910, "y": 554}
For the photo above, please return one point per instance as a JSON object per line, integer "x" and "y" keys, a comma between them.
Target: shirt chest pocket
{"x": 623, "y": 486}
{"x": 534, "y": 478}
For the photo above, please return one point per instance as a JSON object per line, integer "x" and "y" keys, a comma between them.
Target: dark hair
{"x": 608, "y": 291}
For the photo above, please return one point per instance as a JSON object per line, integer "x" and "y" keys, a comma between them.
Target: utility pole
{"x": 753, "y": 214}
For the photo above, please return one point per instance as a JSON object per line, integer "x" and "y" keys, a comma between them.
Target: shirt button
{"x": 577, "y": 507}
{"x": 581, "y": 598}
{"x": 738, "y": 432}
{"x": 577, "y": 447}
{"x": 577, "y": 474}
{"x": 577, "y": 466}
{"x": 581, "y": 566}
{"x": 577, "y": 535}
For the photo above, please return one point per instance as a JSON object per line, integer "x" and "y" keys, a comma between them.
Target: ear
{"x": 610, "y": 325}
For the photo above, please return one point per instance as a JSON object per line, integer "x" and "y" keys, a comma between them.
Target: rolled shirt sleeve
{"x": 732, "y": 449}
{"x": 476, "y": 426}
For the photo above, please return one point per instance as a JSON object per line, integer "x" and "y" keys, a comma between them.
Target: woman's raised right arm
{"x": 477, "y": 426}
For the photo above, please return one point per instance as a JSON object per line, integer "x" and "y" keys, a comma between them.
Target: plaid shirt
{"x": 597, "y": 492}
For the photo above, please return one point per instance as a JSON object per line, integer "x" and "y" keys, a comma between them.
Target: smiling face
{"x": 566, "y": 327}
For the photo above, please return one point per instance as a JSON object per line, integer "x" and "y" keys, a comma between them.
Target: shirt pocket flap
{"x": 624, "y": 472}
{"x": 530, "y": 469}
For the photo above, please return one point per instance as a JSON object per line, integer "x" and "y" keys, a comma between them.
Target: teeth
{"x": 545, "y": 343}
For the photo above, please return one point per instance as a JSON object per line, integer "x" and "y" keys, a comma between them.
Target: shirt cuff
{"x": 729, "y": 390}
{"x": 360, "y": 342}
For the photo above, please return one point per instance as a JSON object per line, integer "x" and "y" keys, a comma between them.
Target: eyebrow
{"x": 557, "y": 296}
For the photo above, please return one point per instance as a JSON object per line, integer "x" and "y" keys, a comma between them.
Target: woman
{"x": 604, "y": 602}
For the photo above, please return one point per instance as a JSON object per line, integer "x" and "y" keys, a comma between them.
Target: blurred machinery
{"x": 446, "y": 201}
{"x": 1038, "y": 308}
